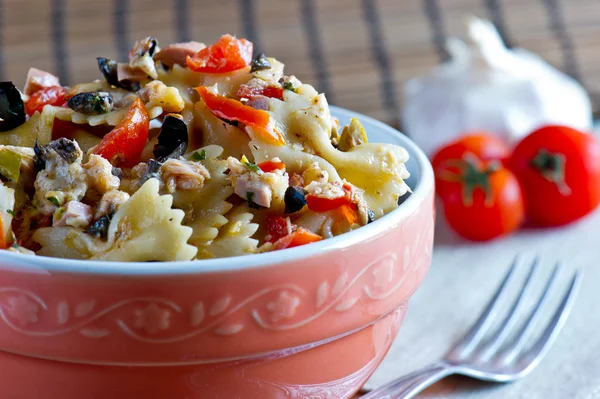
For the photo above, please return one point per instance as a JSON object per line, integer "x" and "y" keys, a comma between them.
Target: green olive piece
{"x": 10, "y": 164}
{"x": 352, "y": 135}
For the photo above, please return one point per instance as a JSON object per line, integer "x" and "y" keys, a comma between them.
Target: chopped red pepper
{"x": 226, "y": 55}
{"x": 299, "y": 237}
{"x": 258, "y": 123}
{"x": 278, "y": 227}
{"x": 3, "y": 243}
{"x": 53, "y": 95}
{"x": 247, "y": 91}
{"x": 321, "y": 204}
{"x": 348, "y": 212}
{"x": 270, "y": 166}
{"x": 123, "y": 146}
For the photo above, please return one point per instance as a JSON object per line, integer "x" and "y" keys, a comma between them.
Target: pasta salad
{"x": 184, "y": 152}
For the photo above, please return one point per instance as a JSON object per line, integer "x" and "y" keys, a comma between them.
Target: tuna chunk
{"x": 176, "y": 53}
{"x": 74, "y": 213}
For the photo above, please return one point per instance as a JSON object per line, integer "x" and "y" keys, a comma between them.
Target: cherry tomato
{"x": 54, "y": 95}
{"x": 484, "y": 147}
{"x": 123, "y": 146}
{"x": 483, "y": 200}
{"x": 299, "y": 237}
{"x": 278, "y": 227}
{"x": 226, "y": 55}
{"x": 258, "y": 123}
{"x": 559, "y": 170}
{"x": 270, "y": 166}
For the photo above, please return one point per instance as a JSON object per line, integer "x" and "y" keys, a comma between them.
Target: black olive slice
{"x": 260, "y": 63}
{"x": 109, "y": 69}
{"x": 172, "y": 139}
{"x": 12, "y": 109}
{"x": 99, "y": 228}
{"x": 294, "y": 199}
{"x": 91, "y": 103}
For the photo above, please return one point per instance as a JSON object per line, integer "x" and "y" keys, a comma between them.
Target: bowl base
{"x": 333, "y": 370}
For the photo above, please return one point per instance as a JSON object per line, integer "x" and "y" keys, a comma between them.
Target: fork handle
{"x": 411, "y": 384}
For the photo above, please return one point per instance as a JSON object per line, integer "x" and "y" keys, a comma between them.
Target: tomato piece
{"x": 481, "y": 145}
{"x": 483, "y": 201}
{"x": 299, "y": 237}
{"x": 54, "y": 95}
{"x": 246, "y": 91}
{"x": 278, "y": 227}
{"x": 258, "y": 123}
{"x": 123, "y": 146}
{"x": 559, "y": 170}
{"x": 270, "y": 166}
{"x": 226, "y": 55}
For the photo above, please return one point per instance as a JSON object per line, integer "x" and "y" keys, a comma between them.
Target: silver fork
{"x": 496, "y": 359}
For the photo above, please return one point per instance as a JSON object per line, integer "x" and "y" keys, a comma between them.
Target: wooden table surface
{"x": 460, "y": 282}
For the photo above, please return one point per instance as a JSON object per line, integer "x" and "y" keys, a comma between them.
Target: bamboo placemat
{"x": 357, "y": 51}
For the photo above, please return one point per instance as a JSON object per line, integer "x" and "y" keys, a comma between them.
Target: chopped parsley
{"x": 251, "y": 203}
{"x": 252, "y": 166}
{"x": 54, "y": 200}
{"x": 11, "y": 213}
{"x": 288, "y": 86}
{"x": 199, "y": 156}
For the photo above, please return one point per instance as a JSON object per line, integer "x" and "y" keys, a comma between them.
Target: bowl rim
{"x": 424, "y": 187}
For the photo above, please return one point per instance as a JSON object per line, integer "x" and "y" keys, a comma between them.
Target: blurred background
{"x": 357, "y": 51}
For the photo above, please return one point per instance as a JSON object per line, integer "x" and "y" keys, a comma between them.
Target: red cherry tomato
{"x": 559, "y": 170}
{"x": 54, "y": 95}
{"x": 123, "y": 146}
{"x": 482, "y": 201}
{"x": 484, "y": 147}
{"x": 226, "y": 55}
{"x": 257, "y": 122}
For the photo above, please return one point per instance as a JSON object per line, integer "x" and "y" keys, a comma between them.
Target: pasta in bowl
{"x": 206, "y": 150}
{"x": 95, "y": 187}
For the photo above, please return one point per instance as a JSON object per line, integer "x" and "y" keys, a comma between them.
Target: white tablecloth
{"x": 461, "y": 280}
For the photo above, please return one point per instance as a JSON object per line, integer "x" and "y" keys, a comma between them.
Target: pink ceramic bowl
{"x": 308, "y": 322}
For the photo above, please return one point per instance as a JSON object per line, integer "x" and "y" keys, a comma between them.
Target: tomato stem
{"x": 552, "y": 168}
{"x": 471, "y": 176}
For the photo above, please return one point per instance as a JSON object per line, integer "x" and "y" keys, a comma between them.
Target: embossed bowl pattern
{"x": 309, "y": 322}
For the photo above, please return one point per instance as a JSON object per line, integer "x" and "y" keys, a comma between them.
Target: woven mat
{"x": 357, "y": 51}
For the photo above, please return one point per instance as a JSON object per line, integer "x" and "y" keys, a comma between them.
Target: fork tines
{"x": 508, "y": 344}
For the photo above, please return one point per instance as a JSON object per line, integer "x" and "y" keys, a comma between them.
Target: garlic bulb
{"x": 485, "y": 86}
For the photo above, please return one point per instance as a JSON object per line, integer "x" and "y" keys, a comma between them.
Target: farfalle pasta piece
{"x": 38, "y": 127}
{"x": 233, "y": 140}
{"x": 206, "y": 206}
{"x": 235, "y": 238}
{"x": 145, "y": 228}
{"x": 379, "y": 169}
{"x": 112, "y": 118}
